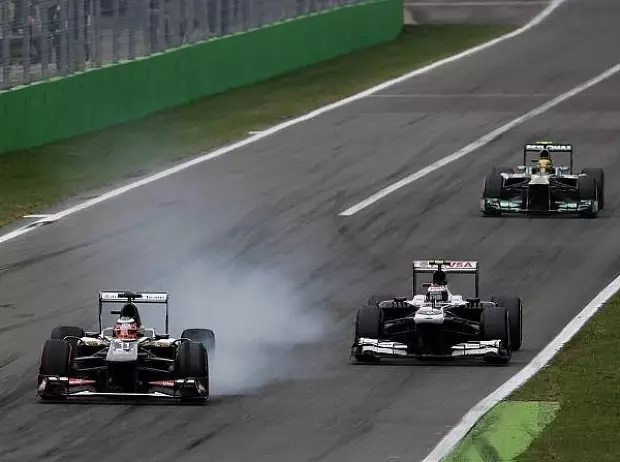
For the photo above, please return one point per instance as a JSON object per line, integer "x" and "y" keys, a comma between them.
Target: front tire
{"x": 586, "y": 187}
{"x": 374, "y": 300}
{"x": 493, "y": 188}
{"x": 55, "y": 361}
{"x": 495, "y": 325}
{"x": 515, "y": 311}
{"x": 599, "y": 176}
{"x": 192, "y": 362}
{"x": 368, "y": 324}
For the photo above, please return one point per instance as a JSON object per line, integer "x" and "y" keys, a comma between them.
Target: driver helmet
{"x": 437, "y": 293}
{"x": 439, "y": 278}
{"x": 126, "y": 329}
{"x": 544, "y": 165}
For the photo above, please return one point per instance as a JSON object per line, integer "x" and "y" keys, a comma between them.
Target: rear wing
{"x": 132, "y": 297}
{"x": 447, "y": 266}
{"x": 550, "y": 147}
{"x": 138, "y": 297}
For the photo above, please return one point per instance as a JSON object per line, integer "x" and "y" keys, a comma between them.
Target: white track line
{"x": 311, "y": 115}
{"x": 466, "y": 95}
{"x": 479, "y": 143}
{"x": 461, "y": 4}
{"x": 449, "y": 441}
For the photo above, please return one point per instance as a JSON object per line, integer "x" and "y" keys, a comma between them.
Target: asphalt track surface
{"x": 251, "y": 244}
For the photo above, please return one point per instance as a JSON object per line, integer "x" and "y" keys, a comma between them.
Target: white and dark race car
{"x": 128, "y": 359}
{"x": 439, "y": 323}
{"x": 543, "y": 186}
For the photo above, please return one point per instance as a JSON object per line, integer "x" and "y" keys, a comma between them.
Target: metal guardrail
{"x": 40, "y": 39}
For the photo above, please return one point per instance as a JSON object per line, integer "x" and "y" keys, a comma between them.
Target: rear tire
{"x": 495, "y": 325}
{"x": 60, "y": 332}
{"x": 204, "y": 336}
{"x": 374, "y": 300}
{"x": 369, "y": 324}
{"x": 515, "y": 311}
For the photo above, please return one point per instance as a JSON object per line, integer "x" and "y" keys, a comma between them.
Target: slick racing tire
{"x": 599, "y": 176}
{"x": 204, "y": 336}
{"x": 192, "y": 362}
{"x": 586, "y": 189}
{"x": 60, "y": 332}
{"x": 55, "y": 360}
{"x": 515, "y": 310}
{"x": 369, "y": 324}
{"x": 495, "y": 325}
{"x": 493, "y": 185}
{"x": 493, "y": 188}
{"x": 374, "y": 300}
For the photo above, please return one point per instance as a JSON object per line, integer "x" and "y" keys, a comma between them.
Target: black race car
{"x": 546, "y": 187}
{"x": 439, "y": 323}
{"x": 128, "y": 359}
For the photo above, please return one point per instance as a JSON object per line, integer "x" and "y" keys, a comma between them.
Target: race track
{"x": 251, "y": 244}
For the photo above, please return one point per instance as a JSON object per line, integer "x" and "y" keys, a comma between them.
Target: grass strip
{"x": 39, "y": 177}
{"x": 585, "y": 379}
{"x": 504, "y": 432}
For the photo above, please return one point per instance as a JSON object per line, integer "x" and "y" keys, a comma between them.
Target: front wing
{"x": 388, "y": 349}
{"x": 56, "y": 387}
{"x": 507, "y": 206}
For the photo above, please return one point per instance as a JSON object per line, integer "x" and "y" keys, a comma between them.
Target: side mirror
{"x": 564, "y": 168}
{"x": 473, "y": 301}
{"x": 521, "y": 168}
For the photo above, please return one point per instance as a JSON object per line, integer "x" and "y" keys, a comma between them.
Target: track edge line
{"x": 458, "y": 432}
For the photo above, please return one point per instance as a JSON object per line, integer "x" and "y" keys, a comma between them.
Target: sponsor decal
{"x": 548, "y": 147}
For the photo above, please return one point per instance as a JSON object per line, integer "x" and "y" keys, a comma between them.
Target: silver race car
{"x": 546, "y": 187}
{"x": 438, "y": 323}
{"x": 127, "y": 359}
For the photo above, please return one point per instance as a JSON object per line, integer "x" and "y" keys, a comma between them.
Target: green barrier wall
{"x": 47, "y": 111}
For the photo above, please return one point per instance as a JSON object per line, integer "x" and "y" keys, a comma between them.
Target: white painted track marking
{"x": 265, "y": 133}
{"x": 467, "y": 95}
{"x": 465, "y": 3}
{"x": 479, "y": 143}
{"x": 447, "y": 444}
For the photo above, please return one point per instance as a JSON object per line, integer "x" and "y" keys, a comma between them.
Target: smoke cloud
{"x": 259, "y": 320}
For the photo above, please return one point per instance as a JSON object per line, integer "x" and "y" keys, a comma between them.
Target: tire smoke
{"x": 259, "y": 320}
